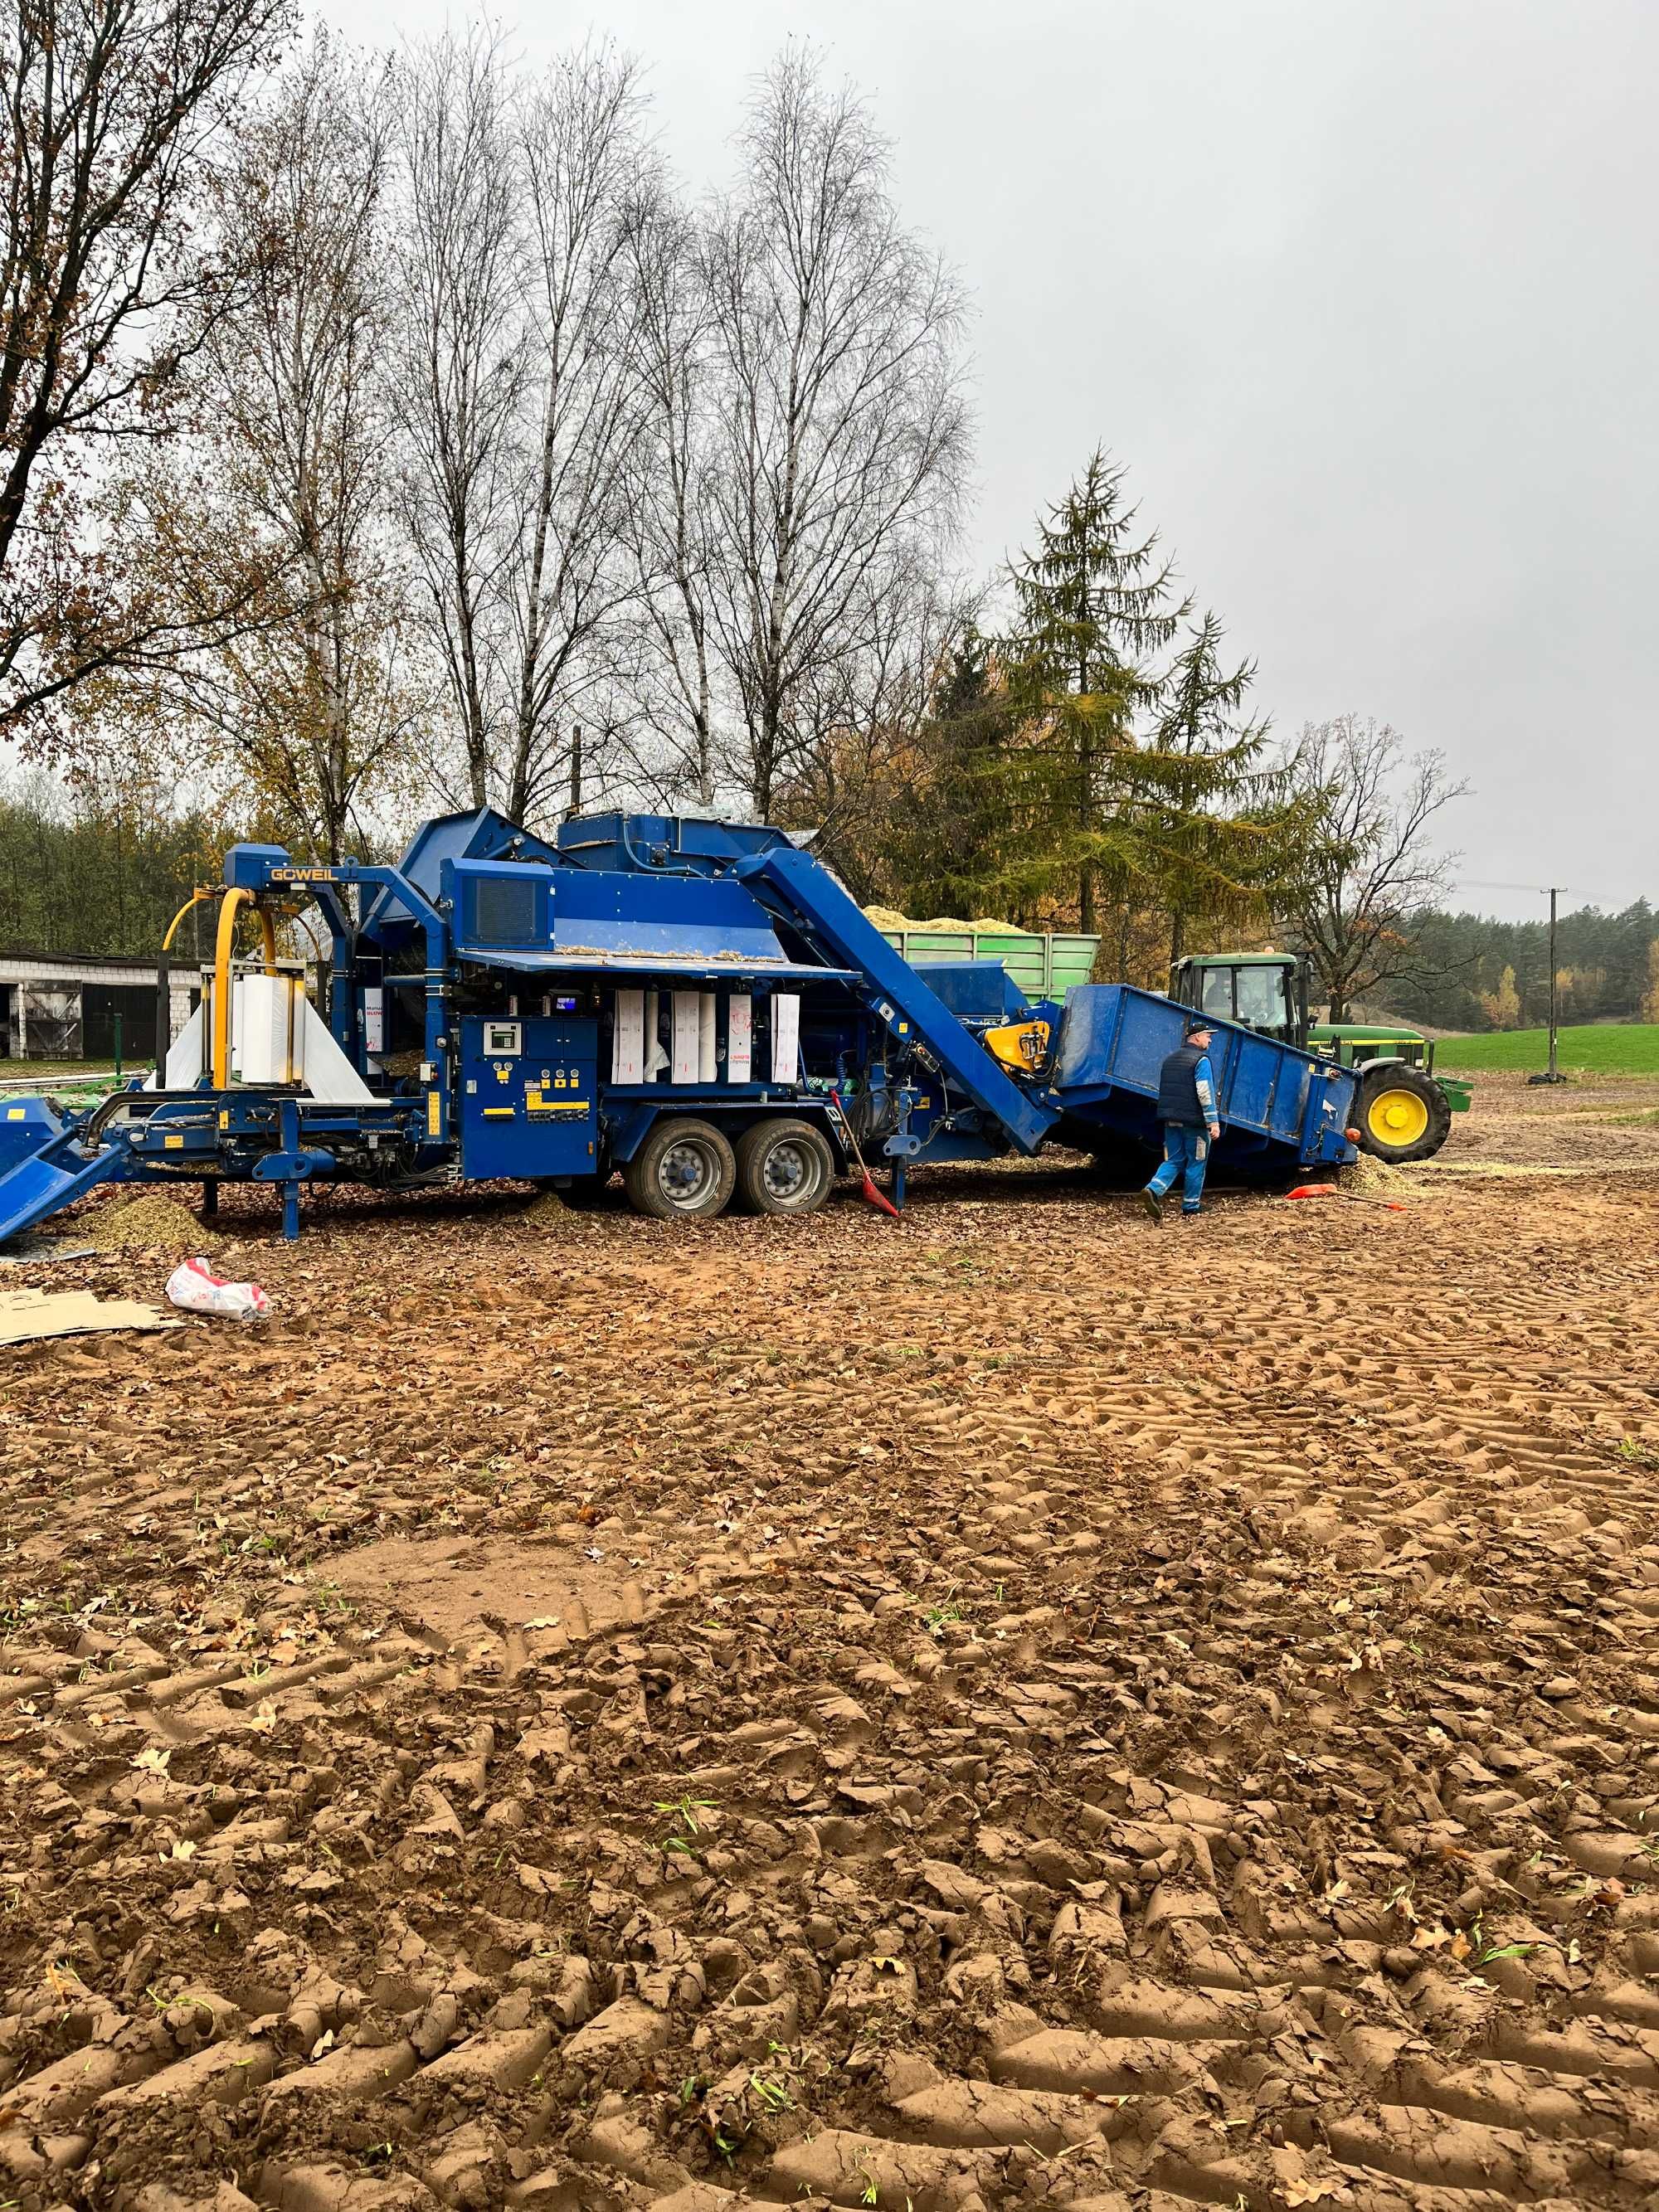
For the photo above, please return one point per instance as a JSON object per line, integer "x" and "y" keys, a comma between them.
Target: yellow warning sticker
{"x": 13, "y": 1113}
{"x": 434, "y": 1115}
{"x": 173, "y": 1144}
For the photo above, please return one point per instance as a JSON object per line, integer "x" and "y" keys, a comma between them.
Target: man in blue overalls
{"x": 1186, "y": 1107}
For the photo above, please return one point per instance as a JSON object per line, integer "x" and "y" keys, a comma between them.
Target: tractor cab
{"x": 1267, "y": 992}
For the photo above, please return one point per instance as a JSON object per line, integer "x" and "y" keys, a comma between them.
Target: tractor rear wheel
{"x": 784, "y": 1166}
{"x": 1402, "y": 1113}
{"x": 683, "y": 1171}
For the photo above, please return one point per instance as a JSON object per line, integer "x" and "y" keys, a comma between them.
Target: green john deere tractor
{"x": 1403, "y": 1109}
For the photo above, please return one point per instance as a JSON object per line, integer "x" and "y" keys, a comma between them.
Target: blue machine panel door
{"x": 529, "y": 1097}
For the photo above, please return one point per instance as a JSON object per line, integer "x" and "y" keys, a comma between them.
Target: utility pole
{"x": 1553, "y": 1073}
{"x": 576, "y": 769}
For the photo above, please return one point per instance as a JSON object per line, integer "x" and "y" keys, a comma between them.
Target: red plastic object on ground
{"x": 882, "y": 1203}
{"x": 193, "y": 1286}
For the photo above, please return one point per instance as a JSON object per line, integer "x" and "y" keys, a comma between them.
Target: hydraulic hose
{"x": 194, "y": 900}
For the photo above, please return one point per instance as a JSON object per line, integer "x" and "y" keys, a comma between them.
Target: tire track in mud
{"x": 1032, "y": 1712}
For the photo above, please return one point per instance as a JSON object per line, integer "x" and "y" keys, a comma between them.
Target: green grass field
{"x": 14, "y": 1072}
{"x": 1629, "y": 1048}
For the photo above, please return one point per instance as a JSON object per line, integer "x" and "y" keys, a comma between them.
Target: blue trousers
{"x": 1186, "y": 1154}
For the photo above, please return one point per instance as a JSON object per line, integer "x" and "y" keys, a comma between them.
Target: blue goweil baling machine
{"x": 698, "y": 1004}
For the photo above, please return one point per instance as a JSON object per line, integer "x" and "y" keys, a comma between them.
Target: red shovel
{"x": 878, "y": 1198}
{"x": 1356, "y": 1197}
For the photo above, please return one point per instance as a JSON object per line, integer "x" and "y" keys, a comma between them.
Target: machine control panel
{"x": 529, "y": 1103}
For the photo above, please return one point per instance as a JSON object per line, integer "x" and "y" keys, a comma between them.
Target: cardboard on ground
{"x": 26, "y": 1315}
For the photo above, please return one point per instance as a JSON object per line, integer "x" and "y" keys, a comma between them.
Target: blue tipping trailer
{"x": 699, "y": 1004}
{"x": 1278, "y": 1106}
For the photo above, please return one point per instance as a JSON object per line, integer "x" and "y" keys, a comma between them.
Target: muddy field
{"x": 1008, "y": 1707}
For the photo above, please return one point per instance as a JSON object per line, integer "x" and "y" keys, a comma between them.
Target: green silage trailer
{"x": 1045, "y": 964}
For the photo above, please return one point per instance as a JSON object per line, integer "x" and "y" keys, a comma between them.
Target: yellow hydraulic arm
{"x": 194, "y": 900}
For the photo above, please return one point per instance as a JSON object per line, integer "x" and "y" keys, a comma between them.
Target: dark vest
{"x": 1177, "y": 1086}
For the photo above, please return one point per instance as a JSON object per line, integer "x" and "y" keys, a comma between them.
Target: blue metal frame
{"x": 795, "y": 887}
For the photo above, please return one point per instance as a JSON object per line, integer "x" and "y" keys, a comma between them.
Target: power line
{"x": 1540, "y": 890}
{"x": 1483, "y": 883}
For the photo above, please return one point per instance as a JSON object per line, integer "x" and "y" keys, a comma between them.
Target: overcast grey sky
{"x": 1363, "y": 292}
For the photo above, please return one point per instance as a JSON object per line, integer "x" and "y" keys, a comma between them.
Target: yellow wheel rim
{"x": 1397, "y": 1117}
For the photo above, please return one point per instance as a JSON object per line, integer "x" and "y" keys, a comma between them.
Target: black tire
{"x": 784, "y": 1166}
{"x": 1401, "y": 1113}
{"x": 683, "y": 1171}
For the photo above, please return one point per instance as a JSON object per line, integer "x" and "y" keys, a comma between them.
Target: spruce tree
{"x": 1094, "y": 600}
{"x": 951, "y": 837}
{"x": 1067, "y": 768}
{"x": 1223, "y": 827}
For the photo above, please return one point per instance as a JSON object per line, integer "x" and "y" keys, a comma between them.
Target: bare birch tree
{"x": 583, "y": 156}
{"x": 463, "y": 364}
{"x": 520, "y": 380}
{"x": 671, "y": 516}
{"x": 845, "y": 432}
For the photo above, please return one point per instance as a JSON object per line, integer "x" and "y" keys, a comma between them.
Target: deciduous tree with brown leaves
{"x": 118, "y": 116}
{"x": 284, "y": 488}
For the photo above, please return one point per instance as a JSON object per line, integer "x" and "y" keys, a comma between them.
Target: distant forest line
{"x": 1475, "y": 973}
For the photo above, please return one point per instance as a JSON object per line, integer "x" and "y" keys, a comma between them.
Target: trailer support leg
{"x": 287, "y": 1121}
{"x": 900, "y": 1177}
{"x": 290, "y": 1166}
{"x": 210, "y": 1198}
